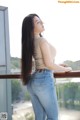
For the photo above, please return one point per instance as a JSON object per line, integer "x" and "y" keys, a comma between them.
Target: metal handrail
{"x": 56, "y": 75}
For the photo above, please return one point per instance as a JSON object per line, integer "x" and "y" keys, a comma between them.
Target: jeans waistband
{"x": 43, "y": 71}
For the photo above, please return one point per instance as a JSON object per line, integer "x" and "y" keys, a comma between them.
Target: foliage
{"x": 27, "y": 96}
{"x": 15, "y": 63}
{"x": 16, "y": 89}
{"x": 69, "y": 95}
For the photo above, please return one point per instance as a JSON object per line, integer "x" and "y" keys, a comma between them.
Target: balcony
{"x": 67, "y": 87}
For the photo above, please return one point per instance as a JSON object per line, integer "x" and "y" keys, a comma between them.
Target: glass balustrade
{"x": 68, "y": 94}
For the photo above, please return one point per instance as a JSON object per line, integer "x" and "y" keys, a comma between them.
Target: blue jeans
{"x": 43, "y": 95}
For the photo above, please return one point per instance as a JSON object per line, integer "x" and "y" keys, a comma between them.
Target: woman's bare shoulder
{"x": 43, "y": 40}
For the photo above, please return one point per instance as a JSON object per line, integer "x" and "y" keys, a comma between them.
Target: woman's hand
{"x": 63, "y": 65}
{"x": 68, "y": 69}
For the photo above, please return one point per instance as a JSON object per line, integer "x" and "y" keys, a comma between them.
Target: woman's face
{"x": 38, "y": 25}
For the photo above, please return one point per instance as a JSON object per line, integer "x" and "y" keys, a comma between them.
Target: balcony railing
{"x": 56, "y": 75}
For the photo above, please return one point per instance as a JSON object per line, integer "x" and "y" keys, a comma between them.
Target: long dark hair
{"x": 27, "y": 47}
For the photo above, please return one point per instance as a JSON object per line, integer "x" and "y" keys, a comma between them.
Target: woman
{"x": 40, "y": 83}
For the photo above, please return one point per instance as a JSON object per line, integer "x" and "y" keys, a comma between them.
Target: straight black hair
{"x": 27, "y": 47}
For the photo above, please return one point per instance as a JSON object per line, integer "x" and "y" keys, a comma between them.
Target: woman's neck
{"x": 36, "y": 35}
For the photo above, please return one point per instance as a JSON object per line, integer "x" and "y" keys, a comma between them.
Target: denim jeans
{"x": 43, "y": 95}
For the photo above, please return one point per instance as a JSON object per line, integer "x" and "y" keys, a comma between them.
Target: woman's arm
{"x": 48, "y": 60}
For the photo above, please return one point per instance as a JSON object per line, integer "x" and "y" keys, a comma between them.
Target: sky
{"x": 61, "y": 22}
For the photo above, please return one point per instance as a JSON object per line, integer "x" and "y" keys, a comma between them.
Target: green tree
{"x": 69, "y": 95}
{"x": 27, "y": 96}
{"x": 16, "y": 89}
{"x": 15, "y": 63}
{"x": 78, "y": 93}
